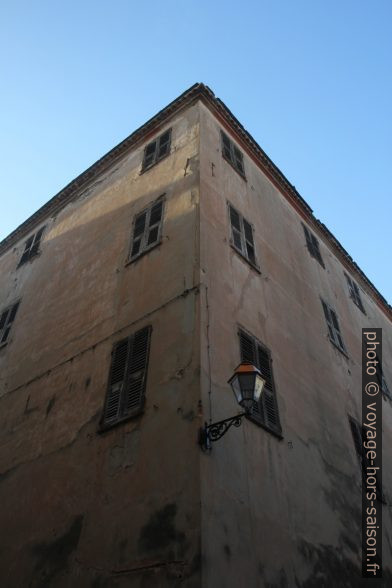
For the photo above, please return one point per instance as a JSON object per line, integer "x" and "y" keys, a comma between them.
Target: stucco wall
{"x": 280, "y": 512}
{"x": 119, "y": 508}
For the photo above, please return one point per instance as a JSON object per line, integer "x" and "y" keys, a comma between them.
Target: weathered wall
{"x": 120, "y": 508}
{"x": 280, "y": 512}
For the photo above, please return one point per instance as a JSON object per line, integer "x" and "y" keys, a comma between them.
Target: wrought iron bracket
{"x": 211, "y": 433}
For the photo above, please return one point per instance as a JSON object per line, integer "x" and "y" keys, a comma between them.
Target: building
{"x": 126, "y": 302}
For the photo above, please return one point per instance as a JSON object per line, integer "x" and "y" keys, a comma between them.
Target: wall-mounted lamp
{"x": 247, "y": 385}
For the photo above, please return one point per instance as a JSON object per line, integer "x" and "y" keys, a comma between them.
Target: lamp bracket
{"x": 214, "y": 431}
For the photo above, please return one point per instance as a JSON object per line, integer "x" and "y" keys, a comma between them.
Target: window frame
{"x": 156, "y": 143}
{"x": 243, "y": 252}
{"x": 333, "y": 325}
{"x": 264, "y": 409}
{"x": 354, "y": 293}
{"x": 33, "y": 248}
{"x": 313, "y": 245}
{"x": 128, "y": 379}
{"x": 235, "y": 154}
{"x": 146, "y": 247}
{"x": 6, "y": 327}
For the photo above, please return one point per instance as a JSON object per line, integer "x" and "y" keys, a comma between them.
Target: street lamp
{"x": 247, "y": 385}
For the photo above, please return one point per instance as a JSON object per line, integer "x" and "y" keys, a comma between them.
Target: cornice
{"x": 204, "y": 93}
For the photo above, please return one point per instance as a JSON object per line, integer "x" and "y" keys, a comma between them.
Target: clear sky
{"x": 309, "y": 79}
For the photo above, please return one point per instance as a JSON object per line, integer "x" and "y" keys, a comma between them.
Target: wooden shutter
{"x": 328, "y": 318}
{"x": 308, "y": 239}
{"x": 266, "y": 412}
{"x": 138, "y": 233}
{"x": 112, "y": 410}
{"x": 6, "y": 320}
{"x": 133, "y": 400}
{"x": 154, "y": 224}
{"x": 127, "y": 377}
{"x": 26, "y": 253}
{"x": 37, "y": 241}
{"x": 238, "y": 159}
{"x": 338, "y": 336}
{"x": 249, "y": 244}
{"x": 164, "y": 144}
{"x": 236, "y": 228}
{"x": 226, "y": 147}
{"x": 149, "y": 154}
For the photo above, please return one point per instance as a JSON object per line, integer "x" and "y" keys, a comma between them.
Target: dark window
{"x": 147, "y": 229}
{"x": 242, "y": 235}
{"x": 232, "y": 154}
{"x": 359, "y": 436}
{"x": 6, "y": 319}
{"x": 354, "y": 293}
{"x": 313, "y": 245}
{"x": 127, "y": 378}
{"x": 32, "y": 246}
{"x": 333, "y": 327}
{"x": 266, "y": 413}
{"x": 157, "y": 150}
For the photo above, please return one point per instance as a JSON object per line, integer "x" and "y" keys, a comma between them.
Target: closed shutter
{"x": 328, "y": 318}
{"x": 266, "y": 411}
{"x": 116, "y": 382}
{"x": 137, "y": 372}
{"x": 164, "y": 144}
{"x": 149, "y": 154}
{"x": 127, "y": 377}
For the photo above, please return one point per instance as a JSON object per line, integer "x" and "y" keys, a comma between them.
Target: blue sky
{"x": 310, "y": 80}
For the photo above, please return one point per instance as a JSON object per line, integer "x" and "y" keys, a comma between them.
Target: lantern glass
{"x": 247, "y": 385}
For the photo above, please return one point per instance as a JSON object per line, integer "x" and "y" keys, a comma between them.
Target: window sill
{"x": 234, "y": 167}
{"x": 254, "y": 266}
{"x": 131, "y": 260}
{"x": 103, "y": 428}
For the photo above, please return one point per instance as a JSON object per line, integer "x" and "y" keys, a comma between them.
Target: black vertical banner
{"x": 372, "y": 493}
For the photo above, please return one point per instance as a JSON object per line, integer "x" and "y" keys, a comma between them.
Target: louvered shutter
{"x": 238, "y": 159}
{"x": 328, "y": 318}
{"x": 6, "y": 320}
{"x": 138, "y": 233}
{"x": 308, "y": 239}
{"x": 3, "y": 321}
{"x": 250, "y": 248}
{"x": 155, "y": 223}
{"x": 164, "y": 144}
{"x": 117, "y": 377}
{"x": 226, "y": 147}
{"x": 133, "y": 398}
{"x": 149, "y": 154}
{"x": 236, "y": 229}
{"x": 338, "y": 336}
{"x": 37, "y": 241}
{"x": 266, "y": 412}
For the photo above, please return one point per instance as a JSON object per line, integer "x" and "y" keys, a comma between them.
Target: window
{"x": 313, "y": 245}
{"x": 32, "y": 246}
{"x": 147, "y": 228}
{"x": 6, "y": 319}
{"x": 242, "y": 235}
{"x": 232, "y": 154}
{"x": 333, "y": 327}
{"x": 354, "y": 293}
{"x": 359, "y": 436}
{"x": 381, "y": 380}
{"x": 127, "y": 378}
{"x": 156, "y": 150}
{"x": 266, "y": 413}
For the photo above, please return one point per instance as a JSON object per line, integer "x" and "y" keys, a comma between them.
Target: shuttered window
{"x": 242, "y": 235}
{"x": 359, "y": 436}
{"x": 333, "y": 327}
{"x": 266, "y": 413}
{"x": 31, "y": 246}
{"x": 156, "y": 150}
{"x": 354, "y": 293}
{"x": 127, "y": 378}
{"x": 7, "y": 317}
{"x": 381, "y": 379}
{"x": 147, "y": 228}
{"x": 313, "y": 245}
{"x": 232, "y": 154}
